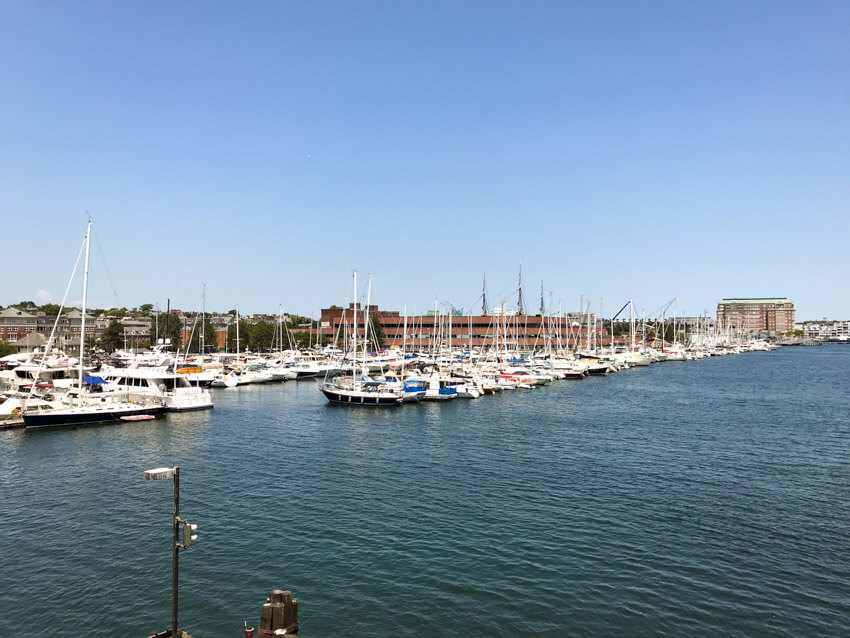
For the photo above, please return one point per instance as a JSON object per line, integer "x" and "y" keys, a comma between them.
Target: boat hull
{"x": 51, "y": 418}
{"x": 190, "y": 408}
{"x": 598, "y": 369}
{"x": 360, "y": 398}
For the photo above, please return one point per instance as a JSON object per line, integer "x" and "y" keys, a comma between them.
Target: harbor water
{"x": 705, "y": 498}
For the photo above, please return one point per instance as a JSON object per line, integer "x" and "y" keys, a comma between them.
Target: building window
{"x": 11, "y": 337}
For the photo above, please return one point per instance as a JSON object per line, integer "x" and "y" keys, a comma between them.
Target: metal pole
{"x": 175, "y": 549}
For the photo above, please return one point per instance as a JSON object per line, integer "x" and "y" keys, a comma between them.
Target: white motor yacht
{"x": 174, "y": 390}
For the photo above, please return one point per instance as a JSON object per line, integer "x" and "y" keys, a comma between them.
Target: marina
{"x": 707, "y": 497}
{"x": 47, "y": 388}
{"x": 425, "y": 319}
{"x": 152, "y": 383}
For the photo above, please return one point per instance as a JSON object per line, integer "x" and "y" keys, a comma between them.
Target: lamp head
{"x": 159, "y": 473}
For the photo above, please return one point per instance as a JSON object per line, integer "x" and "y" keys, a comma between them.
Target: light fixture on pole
{"x": 158, "y": 474}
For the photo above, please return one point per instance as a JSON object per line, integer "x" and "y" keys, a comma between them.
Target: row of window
{"x": 398, "y": 338}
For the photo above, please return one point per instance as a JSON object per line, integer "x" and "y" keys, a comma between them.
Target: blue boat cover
{"x": 94, "y": 380}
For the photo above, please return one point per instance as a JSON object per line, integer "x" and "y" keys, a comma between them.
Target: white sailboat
{"x": 358, "y": 389}
{"x": 87, "y": 403}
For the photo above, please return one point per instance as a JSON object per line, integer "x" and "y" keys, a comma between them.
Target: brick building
{"x": 774, "y": 315}
{"x": 17, "y": 324}
{"x": 525, "y": 332}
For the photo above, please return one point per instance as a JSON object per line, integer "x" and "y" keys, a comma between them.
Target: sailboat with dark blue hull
{"x": 358, "y": 390}
{"x": 364, "y": 393}
{"x": 90, "y": 413}
{"x": 88, "y": 402}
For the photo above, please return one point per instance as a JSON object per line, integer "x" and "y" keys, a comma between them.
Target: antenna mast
{"x": 542, "y": 306}
{"x": 519, "y": 297}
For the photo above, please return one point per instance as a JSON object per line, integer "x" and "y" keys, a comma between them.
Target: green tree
{"x": 6, "y": 348}
{"x": 113, "y": 336}
{"x": 620, "y": 328}
{"x": 302, "y": 339}
{"x": 51, "y": 309}
{"x": 244, "y": 336}
{"x": 210, "y": 338}
{"x": 146, "y": 308}
{"x": 261, "y": 335}
{"x": 377, "y": 331}
{"x": 167, "y": 326}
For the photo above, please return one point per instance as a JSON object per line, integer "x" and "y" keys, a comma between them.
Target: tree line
{"x": 253, "y": 335}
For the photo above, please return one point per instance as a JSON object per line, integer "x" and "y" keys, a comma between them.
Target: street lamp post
{"x": 167, "y": 473}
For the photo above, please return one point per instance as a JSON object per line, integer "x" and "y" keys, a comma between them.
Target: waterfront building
{"x": 220, "y": 323}
{"x": 16, "y": 324}
{"x": 748, "y": 315}
{"x": 825, "y": 330}
{"x": 70, "y": 327}
{"x": 515, "y": 331}
{"x": 137, "y": 330}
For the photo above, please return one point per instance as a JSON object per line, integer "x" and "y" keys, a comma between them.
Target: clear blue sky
{"x": 614, "y": 149}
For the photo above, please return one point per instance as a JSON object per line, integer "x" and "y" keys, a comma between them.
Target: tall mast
{"x": 280, "y": 329}
{"x": 366, "y": 319}
{"x": 519, "y": 296}
{"x": 484, "y": 296}
{"x": 501, "y": 338}
{"x": 404, "y": 346}
{"x": 560, "y": 330}
{"x": 85, "y": 298}
{"x": 203, "y": 320}
{"x": 354, "y": 335}
{"x": 434, "y": 333}
{"x": 451, "y": 310}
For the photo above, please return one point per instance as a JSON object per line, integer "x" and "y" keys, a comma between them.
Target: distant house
{"x": 136, "y": 329}
{"x": 16, "y": 324}
{"x": 31, "y": 342}
{"x": 70, "y": 326}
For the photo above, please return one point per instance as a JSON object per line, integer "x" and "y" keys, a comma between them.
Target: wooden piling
{"x": 280, "y": 611}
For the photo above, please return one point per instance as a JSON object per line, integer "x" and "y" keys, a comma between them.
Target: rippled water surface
{"x": 698, "y": 498}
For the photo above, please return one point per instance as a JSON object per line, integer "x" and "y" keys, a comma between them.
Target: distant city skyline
{"x": 612, "y": 151}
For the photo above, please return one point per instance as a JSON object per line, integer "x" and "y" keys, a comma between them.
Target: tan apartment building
{"x": 756, "y": 315}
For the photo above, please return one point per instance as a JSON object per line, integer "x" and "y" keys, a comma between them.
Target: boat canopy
{"x": 94, "y": 380}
